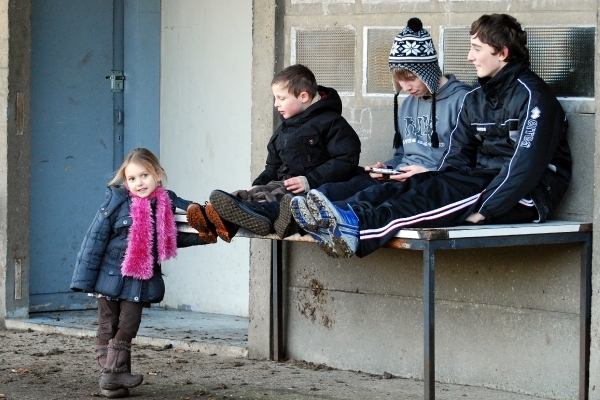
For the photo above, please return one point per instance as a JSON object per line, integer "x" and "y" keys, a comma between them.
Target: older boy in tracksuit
{"x": 508, "y": 162}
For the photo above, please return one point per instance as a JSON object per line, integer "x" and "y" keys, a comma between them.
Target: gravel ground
{"x": 39, "y": 365}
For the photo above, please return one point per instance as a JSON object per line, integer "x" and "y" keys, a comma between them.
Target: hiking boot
{"x": 284, "y": 220}
{"x": 196, "y": 216}
{"x": 305, "y": 219}
{"x": 242, "y": 213}
{"x": 225, "y": 229}
{"x": 342, "y": 224}
{"x": 115, "y": 374}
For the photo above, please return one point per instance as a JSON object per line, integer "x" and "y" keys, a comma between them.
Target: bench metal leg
{"x": 429, "y": 321}
{"x": 585, "y": 305}
{"x": 277, "y": 296}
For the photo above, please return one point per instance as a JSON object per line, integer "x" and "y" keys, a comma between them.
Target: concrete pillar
{"x": 15, "y": 134}
{"x": 594, "y": 391}
{"x": 267, "y": 36}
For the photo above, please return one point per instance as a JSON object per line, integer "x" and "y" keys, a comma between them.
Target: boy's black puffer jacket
{"x": 98, "y": 265}
{"x": 318, "y": 143}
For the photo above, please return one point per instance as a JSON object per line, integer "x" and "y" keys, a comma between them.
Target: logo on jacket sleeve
{"x": 530, "y": 128}
{"x": 535, "y": 113}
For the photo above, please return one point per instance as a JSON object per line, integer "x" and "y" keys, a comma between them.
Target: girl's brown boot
{"x": 101, "y": 352}
{"x": 115, "y": 374}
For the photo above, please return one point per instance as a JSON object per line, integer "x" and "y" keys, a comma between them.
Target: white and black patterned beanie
{"x": 413, "y": 50}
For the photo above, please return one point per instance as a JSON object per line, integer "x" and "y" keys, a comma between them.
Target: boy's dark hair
{"x": 502, "y": 30}
{"x": 297, "y": 78}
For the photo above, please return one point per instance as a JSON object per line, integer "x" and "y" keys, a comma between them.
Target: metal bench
{"x": 430, "y": 240}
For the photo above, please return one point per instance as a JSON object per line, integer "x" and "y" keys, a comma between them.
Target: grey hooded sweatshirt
{"x": 414, "y": 120}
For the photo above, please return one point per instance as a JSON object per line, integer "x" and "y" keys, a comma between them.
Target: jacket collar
{"x": 504, "y": 79}
{"x": 330, "y": 101}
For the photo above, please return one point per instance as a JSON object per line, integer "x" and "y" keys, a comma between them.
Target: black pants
{"x": 426, "y": 200}
{"x": 344, "y": 191}
{"x": 114, "y": 315}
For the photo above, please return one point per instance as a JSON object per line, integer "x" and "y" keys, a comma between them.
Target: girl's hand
{"x": 374, "y": 175}
{"x": 408, "y": 172}
{"x": 295, "y": 185}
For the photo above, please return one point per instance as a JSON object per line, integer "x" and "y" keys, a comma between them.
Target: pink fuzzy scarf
{"x": 138, "y": 262}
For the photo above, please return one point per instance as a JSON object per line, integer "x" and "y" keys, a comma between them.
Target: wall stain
{"x": 313, "y": 304}
{"x": 86, "y": 59}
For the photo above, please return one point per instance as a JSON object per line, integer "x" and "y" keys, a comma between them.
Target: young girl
{"x": 119, "y": 262}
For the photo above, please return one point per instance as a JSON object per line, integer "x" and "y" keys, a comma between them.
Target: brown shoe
{"x": 197, "y": 219}
{"x": 225, "y": 229}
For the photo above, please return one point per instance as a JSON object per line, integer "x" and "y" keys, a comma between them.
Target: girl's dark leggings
{"x": 114, "y": 315}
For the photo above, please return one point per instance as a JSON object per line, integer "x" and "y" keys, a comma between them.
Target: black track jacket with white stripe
{"x": 513, "y": 124}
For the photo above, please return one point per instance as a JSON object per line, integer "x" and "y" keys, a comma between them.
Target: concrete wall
{"x": 5, "y": 278}
{"x": 506, "y": 318}
{"x": 15, "y": 84}
{"x": 594, "y": 393}
{"x": 206, "y": 64}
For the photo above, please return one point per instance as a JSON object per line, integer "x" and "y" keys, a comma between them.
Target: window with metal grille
{"x": 562, "y": 56}
{"x": 329, "y": 53}
{"x": 378, "y": 44}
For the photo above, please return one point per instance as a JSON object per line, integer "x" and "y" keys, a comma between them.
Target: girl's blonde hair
{"x": 145, "y": 158}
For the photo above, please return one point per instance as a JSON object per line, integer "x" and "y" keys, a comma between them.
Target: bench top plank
{"x": 468, "y": 231}
{"x": 454, "y": 232}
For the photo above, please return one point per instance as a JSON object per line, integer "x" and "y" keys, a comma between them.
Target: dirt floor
{"x": 39, "y": 365}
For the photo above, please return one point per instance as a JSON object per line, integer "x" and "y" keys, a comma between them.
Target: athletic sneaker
{"x": 305, "y": 219}
{"x": 342, "y": 224}
{"x": 243, "y": 213}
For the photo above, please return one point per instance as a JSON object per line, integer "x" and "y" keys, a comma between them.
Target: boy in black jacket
{"x": 313, "y": 145}
{"x": 508, "y": 159}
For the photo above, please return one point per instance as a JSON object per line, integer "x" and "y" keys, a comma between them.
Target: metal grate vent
{"x": 562, "y": 56}
{"x": 379, "y": 43}
{"x": 455, "y": 47}
{"x": 330, "y": 54}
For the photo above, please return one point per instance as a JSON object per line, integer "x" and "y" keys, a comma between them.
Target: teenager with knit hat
{"x": 425, "y": 119}
{"x": 508, "y": 160}
{"x": 422, "y": 124}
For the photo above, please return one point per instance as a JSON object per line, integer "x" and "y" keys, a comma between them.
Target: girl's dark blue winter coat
{"x": 98, "y": 265}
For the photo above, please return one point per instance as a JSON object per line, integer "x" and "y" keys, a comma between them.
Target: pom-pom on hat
{"x": 413, "y": 50}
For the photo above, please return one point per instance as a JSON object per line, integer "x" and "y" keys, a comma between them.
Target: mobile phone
{"x": 385, "y": 171}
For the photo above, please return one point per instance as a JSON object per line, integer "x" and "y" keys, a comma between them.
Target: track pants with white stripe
{"x": 427, "y": 200}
